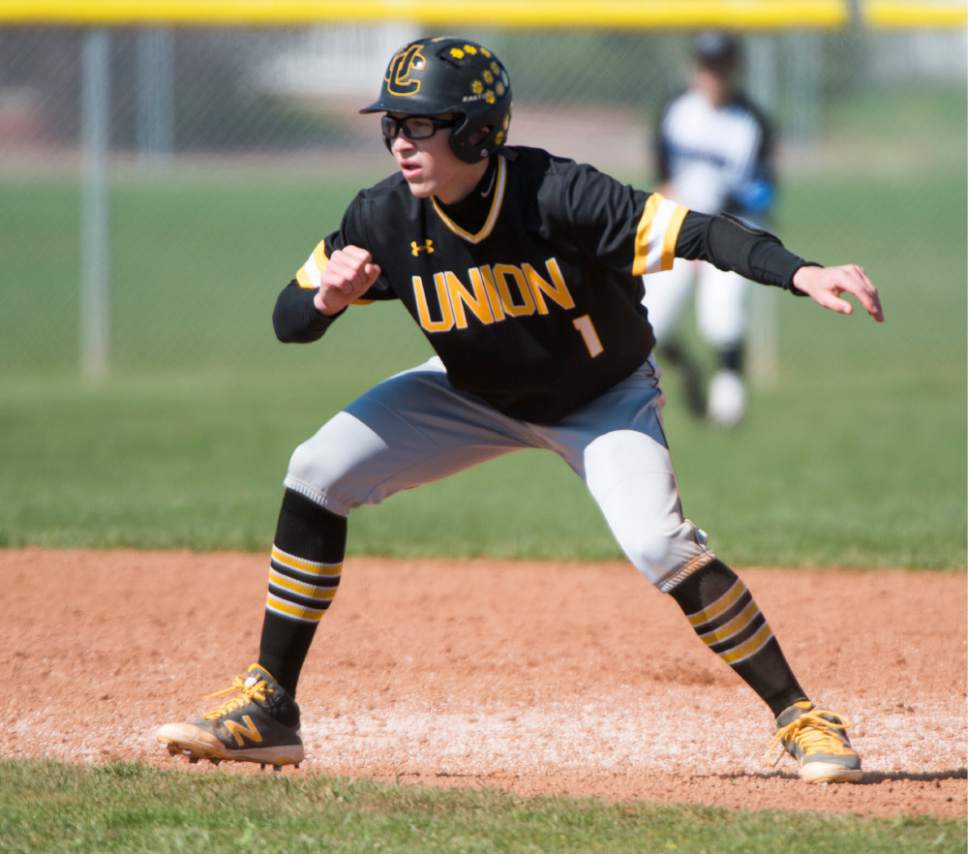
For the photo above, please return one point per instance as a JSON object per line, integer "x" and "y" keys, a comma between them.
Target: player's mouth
{"x": 410, "y": 168}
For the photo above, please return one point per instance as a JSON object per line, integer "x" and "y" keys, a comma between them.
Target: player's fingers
{"x": 834, "y": 303}
{"x": 341, "y": 266}
{"x": 347, "y": 257}
{"x": 345, "y": 284}
{"x": 358, "y": 254}
{"x": 872, "y": 303}
{"x": 365, "y": 272}
{"x": 367, "y": 275}
{"x": 371, "y": 272}
{"x": 878, "y": 311}
{"x": 871, "y": 299}
{"x": 360, "y": 285}
{"x": 345, "y": 272}
{"x": 857, "y": 282}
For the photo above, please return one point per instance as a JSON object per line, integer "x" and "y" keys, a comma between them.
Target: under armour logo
{"x": 416, "y": 248}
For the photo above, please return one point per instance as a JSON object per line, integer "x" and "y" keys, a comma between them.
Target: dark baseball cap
{"x": 716, "y": 50}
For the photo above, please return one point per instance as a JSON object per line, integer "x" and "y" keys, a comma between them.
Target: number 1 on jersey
{"x": 588, "y": 334}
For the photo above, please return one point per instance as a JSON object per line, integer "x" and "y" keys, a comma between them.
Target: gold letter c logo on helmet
{"x": 398, "y": 79}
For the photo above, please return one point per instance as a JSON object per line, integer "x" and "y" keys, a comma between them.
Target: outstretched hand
{"x": 824, "y": 285}
{"x": 349, "y": 273}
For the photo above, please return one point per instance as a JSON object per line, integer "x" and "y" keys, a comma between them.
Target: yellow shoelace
{"x": 812, "y": 733}
{"x": 247, "y": 694}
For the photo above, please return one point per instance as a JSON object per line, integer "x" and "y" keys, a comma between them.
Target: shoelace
{"x": 811, "y": 733}
{"x": 247, "y": 692}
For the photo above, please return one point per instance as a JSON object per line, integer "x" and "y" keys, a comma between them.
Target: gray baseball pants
{"x": 415, "y": 428}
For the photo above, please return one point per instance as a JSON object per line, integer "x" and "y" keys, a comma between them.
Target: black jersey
{"x": 529, "y": 290}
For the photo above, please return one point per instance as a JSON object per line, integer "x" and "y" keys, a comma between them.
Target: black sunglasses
{"x": 413, "y": 127}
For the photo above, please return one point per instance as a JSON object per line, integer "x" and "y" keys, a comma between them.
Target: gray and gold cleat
{"x": 259, "y": 724}
{"x": 818, "y": 740}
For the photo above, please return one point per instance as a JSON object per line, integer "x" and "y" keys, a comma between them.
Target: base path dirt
{"x": 550, "y": 678}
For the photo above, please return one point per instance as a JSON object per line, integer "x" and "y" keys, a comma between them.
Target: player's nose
{"x": 402, "y": 145}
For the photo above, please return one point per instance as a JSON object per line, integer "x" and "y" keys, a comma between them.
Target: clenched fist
{"x": 348, "y": 275}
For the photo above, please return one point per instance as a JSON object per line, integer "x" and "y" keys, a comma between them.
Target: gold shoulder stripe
{"x": 642, "y": 234}
{"x": 310, "y": 275}
{"x": 671, "y": 236}
{"x": 656, "y": 235}
{"x": 320, "y": 256}
{"x": 496, "y": 203}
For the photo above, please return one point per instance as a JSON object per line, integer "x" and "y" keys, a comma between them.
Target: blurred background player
{"x": 714, "y": 153}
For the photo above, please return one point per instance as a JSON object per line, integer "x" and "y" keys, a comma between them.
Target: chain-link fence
{"x": 184, "y": 92}
{"x": 230, "y": 150}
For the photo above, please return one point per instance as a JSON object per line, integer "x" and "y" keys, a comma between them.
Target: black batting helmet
{"x": 717, "y": 50}
{"x": 448, "y": 75}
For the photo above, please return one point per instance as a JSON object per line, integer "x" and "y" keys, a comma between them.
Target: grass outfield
{"x": 855, "y": 457}
{"x": 46, "y": 806}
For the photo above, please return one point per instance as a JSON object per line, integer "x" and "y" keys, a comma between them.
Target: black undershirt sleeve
{"x": 730, "y": 244}
{"x": 295, "y": 318}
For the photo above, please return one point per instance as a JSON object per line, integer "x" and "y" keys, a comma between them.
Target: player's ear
{"x": 480, "y": 136}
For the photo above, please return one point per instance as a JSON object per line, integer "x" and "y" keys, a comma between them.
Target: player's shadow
{"x": 915, "y": 776}
{"x": 870, "y": 777}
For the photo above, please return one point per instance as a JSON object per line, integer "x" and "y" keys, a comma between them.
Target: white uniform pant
{"x": 721, "y": 302}
{"x": 415, "y": 428}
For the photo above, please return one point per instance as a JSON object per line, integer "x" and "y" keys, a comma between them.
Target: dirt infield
{"x": 537, "y": 678}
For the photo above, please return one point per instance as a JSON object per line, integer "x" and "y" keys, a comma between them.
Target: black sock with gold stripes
{"x": 304, "y": 572}
{"x": 727, "y": 619}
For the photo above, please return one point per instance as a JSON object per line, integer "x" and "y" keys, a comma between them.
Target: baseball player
{"x": 524, "y": 271}
{"x": 714, "y": 153}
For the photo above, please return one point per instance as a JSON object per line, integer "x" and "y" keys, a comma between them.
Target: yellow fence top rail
{"x": 628, "y": 14}
{"x": 891, "y": 13}
{"x": 620, "y": 14}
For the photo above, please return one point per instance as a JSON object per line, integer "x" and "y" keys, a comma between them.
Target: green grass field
{"x": 855, "y": 456}
{"x": 126, "y": 807}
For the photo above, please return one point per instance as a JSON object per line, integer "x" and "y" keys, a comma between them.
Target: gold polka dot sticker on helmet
{"x": 485, "y": 52}
{"x": 469, "y": 48}
{"x": 488, "y": 77}
{"x": 477, "y": 87}
{"x": 500, "y": 88}
{"x": 507, "y": 122}
{"x": 489, "y": 96}
{"x": 495, "y": 68}
{"x": 499, "y": 137}
{"x": 457, "y": 53}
